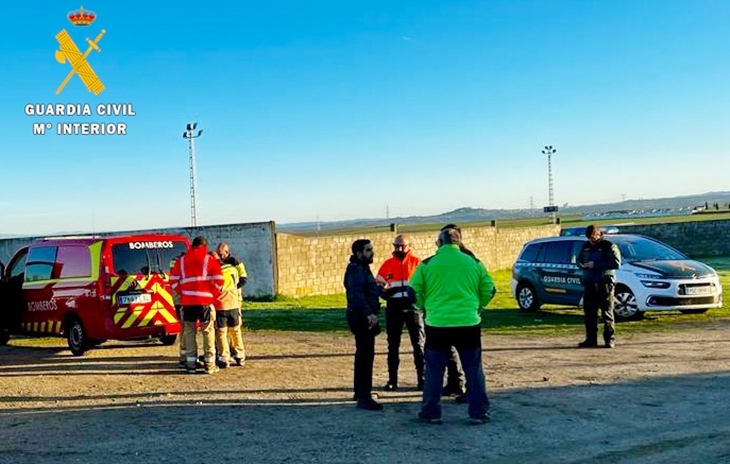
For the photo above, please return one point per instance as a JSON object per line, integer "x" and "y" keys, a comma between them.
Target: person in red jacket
{"x": 394, "y": 274}
{"x": 198, "y": 279}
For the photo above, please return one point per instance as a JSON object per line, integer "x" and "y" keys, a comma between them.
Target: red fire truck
{"x": 92, "y": 289}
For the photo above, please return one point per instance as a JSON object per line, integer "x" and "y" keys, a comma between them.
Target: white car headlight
{"x": 655, "y": 284}
{"x": 649, "y": 276}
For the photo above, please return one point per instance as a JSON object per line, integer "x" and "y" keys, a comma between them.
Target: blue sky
{"x": 335, "y": 110}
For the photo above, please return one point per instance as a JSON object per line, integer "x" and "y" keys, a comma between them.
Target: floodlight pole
{"x": 190, "y": 135}
{"x": 550, "y": 151}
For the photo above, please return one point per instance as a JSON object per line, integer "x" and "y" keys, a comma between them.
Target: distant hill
{"x": 643, "y": 208}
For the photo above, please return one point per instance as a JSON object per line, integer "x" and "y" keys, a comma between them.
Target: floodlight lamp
{"x": 200, "y": 132}
{"x": 195, "y": 124}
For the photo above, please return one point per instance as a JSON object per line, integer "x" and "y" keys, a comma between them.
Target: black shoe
{"x": 478, "y": 420}
{"x": 429, "y": 420}
{"x": 587, "y": 344}
{"x": 370, "y": 405}
{"x": 460, "y": 399}
{"x": 356, "y": 397}
{"x": 391, "y": 386}
{"x": 610, "y": 344}
{"x": 450, "y": 390}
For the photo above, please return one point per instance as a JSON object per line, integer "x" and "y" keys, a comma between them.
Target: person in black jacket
{"x": 599, "y": 258}
{"x": 363, "y": 306}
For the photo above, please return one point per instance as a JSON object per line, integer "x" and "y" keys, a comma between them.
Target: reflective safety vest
{"x": 197, "y": 278}
{"x": 231, "y": 296}
{"x": 396, "y": 273}
{"x": 175, "y": 295}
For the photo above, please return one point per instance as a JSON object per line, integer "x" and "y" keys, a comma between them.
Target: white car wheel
{"x": 624, "y": 304}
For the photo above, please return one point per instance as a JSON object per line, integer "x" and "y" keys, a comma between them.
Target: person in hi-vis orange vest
{"x": 197, "y": 277}
{"x": 394, "y": 274}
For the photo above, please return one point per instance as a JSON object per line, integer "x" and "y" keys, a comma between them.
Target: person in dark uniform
{"x": 599, "y": 259}
{"x": 363, "y": 306}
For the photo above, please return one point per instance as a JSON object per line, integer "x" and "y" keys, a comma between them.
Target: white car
{"x": 652, "y": 277}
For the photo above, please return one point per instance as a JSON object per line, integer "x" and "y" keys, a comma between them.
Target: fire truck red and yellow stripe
{"x": 49, "y": 327}
{"x": 158, "y": 311}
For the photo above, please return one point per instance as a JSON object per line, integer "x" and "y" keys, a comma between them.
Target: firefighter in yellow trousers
{"x": 228, "y": 338}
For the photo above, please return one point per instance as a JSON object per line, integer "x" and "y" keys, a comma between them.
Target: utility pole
{"x": 551, "y": 208}
{"x": 189, "y": 134}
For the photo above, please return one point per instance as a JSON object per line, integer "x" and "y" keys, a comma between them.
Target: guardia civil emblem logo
{"x": 70, "y": 53}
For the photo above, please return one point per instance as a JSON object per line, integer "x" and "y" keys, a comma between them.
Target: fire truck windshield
{"x": 133, "y": 258}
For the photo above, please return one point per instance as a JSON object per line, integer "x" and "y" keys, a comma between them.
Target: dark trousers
{"x": 454, "y": 371}
{"x": 364, "y": 354}
{"x": 599, "y": 295}
{"x": 394, "y": 320}
{"x": 468, "y": 342}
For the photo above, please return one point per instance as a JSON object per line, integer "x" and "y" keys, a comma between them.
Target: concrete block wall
{"x": 252, "y": 243}
{"x": 316, "y": 265}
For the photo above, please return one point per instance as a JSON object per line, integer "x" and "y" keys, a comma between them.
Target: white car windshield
{"x": 642, "y": 249}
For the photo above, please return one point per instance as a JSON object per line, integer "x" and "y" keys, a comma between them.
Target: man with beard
{"x": 599, "y": 259}
{"x": 363, "y": 306}
{"x": 394, "y": 274}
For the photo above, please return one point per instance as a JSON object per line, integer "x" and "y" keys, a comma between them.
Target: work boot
{"x": 391, "y": 386}
{"x": 211, "y": 369}
{"x": 449, "y": 390}
{"x": 369, "y": 404}
{"x": 429, "y": 420}
{"x": 239, "y": 362}
{"x": 482, "y": 419}
{"x": 588, "y": 344}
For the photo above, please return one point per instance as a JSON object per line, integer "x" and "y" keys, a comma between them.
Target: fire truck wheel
{"x": 168, "y": 340}
{"x": 77, "y": 340}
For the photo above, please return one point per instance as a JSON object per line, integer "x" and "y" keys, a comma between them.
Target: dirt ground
{"x": 660, "y": 397}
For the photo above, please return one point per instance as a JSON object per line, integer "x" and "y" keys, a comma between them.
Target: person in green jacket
{"x": 452, "y": 287}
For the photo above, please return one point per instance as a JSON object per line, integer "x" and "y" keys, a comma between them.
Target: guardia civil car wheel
{"x": 526, "y": 298}
{"x": 624, "y": 304}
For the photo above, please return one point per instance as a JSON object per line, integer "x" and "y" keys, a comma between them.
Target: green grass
{"x": 326, "y": 313}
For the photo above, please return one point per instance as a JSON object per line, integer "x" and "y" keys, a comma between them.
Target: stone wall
{"x": 316, "y": 265}
{"x": 696, "y": 239}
